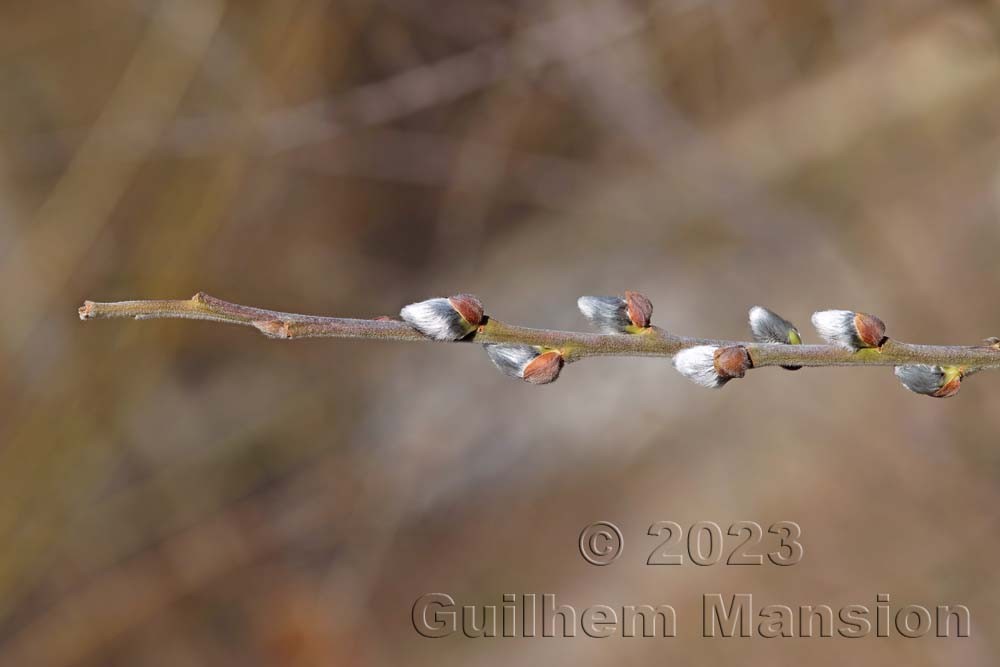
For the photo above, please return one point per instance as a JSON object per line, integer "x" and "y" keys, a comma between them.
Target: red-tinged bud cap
{"x": 273, "y": 328}
{"x": 640, "y": 309}
{"x": 732, "y": 362}
{"x": 544, "y": 368}
{"x": 469, "y": 307}
{"x": 871, "y": 330}
{"x": 949, "y": 389}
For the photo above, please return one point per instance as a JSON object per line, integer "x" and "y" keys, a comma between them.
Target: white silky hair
{"x": 608, "y": 314}
{"x": 769, "y": 327}
{"x": 698, "y": 365}
{"x": 436, "y": 318}
{"x": 921, "y": 378}
{"x": 836, "y": 327}
{"x": 511, "y": 359}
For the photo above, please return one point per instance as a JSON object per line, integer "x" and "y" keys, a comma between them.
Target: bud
{"x": 640, "y": 309}
{"x": 936, "y": 381}
{"x": 769, "y": 327}
{"x": 531, "y": 364}
{"x": 712, "y": 366}
{"x": 614, "y": 314}
{"x": 445, "y": 319}
{"x": 848, "y": 329}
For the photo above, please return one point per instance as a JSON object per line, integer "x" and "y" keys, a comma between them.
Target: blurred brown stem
{"x": 654, "y": 342}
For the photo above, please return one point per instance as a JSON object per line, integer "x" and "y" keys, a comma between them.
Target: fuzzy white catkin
{"x": 511, "y": 359}
{"x": 436, "y": 318}
{"x": 769, "y": 327}
{"x": 836, "y": 327}
{"x": 608, "y": 314}
{"x": 759, "y": 318}
{"x": 920, "y": 378}
{"x": 698, "y": 365}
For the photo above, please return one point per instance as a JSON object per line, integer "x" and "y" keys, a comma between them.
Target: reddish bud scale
{"x": 949, "y": 389}
{"x": 544, "y": 368}
{"x": 469, "y": 307}
{"x": 732, "y": 362}
{"x": 273, "y": 328}
{"x": 871, "y": 330}
{"x": 640, "y": 309}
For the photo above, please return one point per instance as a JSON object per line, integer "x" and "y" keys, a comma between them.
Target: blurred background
{"x": 186, "y": 493}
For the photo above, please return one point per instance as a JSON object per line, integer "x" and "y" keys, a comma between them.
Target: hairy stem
{"x": 653, "y": 342}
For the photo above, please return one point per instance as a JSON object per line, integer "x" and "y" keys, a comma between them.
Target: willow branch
{"x": 650, "y": 342}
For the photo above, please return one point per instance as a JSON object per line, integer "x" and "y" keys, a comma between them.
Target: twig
{"x": 650, "y": 342}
